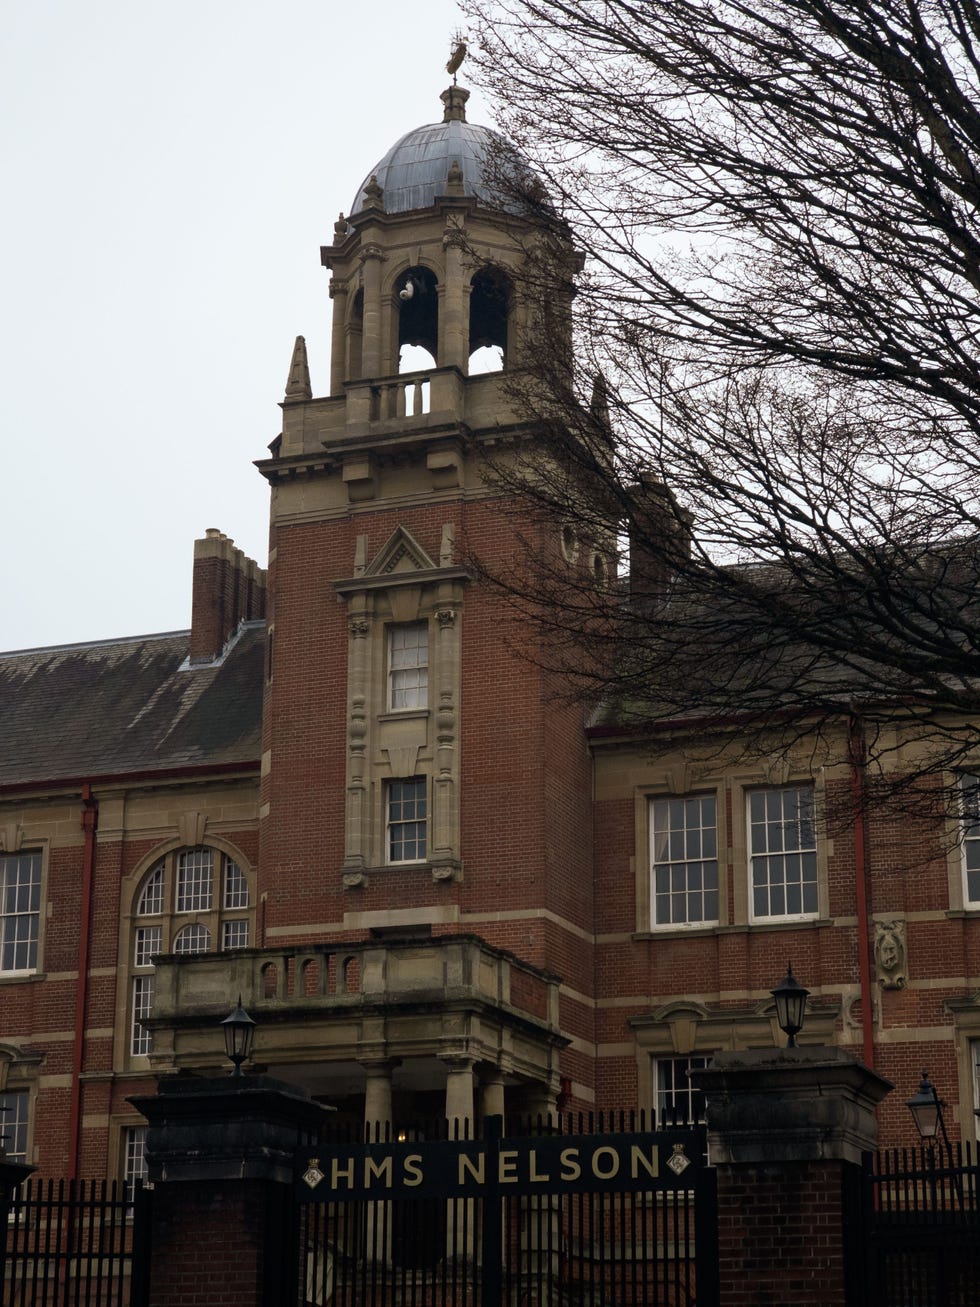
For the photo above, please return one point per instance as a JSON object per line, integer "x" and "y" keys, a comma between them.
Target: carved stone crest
{"x": 891, "y": 962}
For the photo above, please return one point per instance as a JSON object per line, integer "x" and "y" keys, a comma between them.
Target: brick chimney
{"x": 228, "y": 589}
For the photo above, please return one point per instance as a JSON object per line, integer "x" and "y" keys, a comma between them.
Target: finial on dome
{"x": 298, "y": 383}
{"x": 340, "y": 230}
{"x": 374, "y": 193}
{"x": 454, "y": 98}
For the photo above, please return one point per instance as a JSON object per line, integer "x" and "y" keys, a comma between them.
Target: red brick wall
{"x": 208, "y": 1244}
{"x": 781, "y": 1235}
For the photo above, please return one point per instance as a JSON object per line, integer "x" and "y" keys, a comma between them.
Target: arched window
{"x": 192, "y": 939}
{"x": 191, "y": 901}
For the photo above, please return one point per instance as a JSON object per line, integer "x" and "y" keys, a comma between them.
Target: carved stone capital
{"x": 355, "y": 880}
{"x": 367, "y": 252}
{"x": 358, "y": 628}
{"x": 446, "y": 617}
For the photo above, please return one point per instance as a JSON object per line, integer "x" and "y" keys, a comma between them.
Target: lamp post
{"x": 791, "y": 999}
{"x": 239, "y": 1031}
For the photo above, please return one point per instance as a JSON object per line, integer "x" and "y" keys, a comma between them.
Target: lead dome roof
{"x": 414, "y": 171}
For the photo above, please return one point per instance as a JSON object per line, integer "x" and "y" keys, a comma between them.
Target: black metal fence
{"x": 578, "y": 1212}
{"x": 922, "y": 1220}
{"x": 76, "y": 1243}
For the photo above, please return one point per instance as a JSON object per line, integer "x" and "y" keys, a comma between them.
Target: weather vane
{"x": 456, "y": 58}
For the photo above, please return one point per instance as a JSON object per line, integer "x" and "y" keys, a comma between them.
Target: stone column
{"x": 492, "y": 1095}
{"x": 377, "y": 1097}
{"x": 786, "y": 1130}
{"x": 460, "y": 1081}
{"x": 454, "y": 324}
{"x": 220, "y": 1154}
{"x": 377, "y": 1128}
{"x": 371, "y": 333}
{"x": 460, "y": 1212}
{"x": 338, "y": 337}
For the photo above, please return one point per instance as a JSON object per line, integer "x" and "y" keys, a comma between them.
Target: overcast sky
{"x": 170, "y": 172}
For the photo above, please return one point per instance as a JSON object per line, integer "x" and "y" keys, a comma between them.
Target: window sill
{"x": 404, "y": 715}
{"x": 698, "y": 931}
{"x": 20, "y": 977}
{"x": 448, "y": 872}
{"x": 784, "y": 923}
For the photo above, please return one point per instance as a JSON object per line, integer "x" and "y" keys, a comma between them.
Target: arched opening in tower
{"x": 417, "y": 302}
{"x": 490, "y": 297}
{"x": 355, "y": 334}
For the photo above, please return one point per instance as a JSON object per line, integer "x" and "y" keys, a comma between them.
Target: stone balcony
{"x": 399, "y": 408}
{"x": 347, "y": 1004}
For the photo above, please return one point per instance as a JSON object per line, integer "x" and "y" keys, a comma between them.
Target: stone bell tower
{"x": 419, "y": 777}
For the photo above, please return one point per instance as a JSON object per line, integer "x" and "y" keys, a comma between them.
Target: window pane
{"x": 192, "y": 939}
{"x": 675, "y": 1098}
{"x": 408, "y": 663}
{"x": 234, "y": 934}
{"x": 149, "y": 942}
{"x": 13, "y": 1124}
{"x": 783, "y": 852}
{"x": 195, "y": 879}
{"x": 970, "y": 789}
{"x": 407, "y": 820}
{"x": 684, "y": 867}
{"x": 142, "y": 1041}
{"x": 151, "y": 900}
{"x": 134, "y": 1158}
{"x": 236, "y": 886}
{"x": 20, "y": 903}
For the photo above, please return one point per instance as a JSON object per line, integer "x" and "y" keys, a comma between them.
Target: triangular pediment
{"x": 401, "y": 553}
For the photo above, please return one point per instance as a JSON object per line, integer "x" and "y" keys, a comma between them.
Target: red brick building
{"x": 349, "y": 794}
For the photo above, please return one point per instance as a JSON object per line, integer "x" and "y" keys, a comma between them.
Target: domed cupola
{"x": 428, "y": 269}
{"x": 414, "y": 171}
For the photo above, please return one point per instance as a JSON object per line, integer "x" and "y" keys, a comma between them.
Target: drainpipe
{"x": 90, "y": 824}
{"x": 858, "y": 758}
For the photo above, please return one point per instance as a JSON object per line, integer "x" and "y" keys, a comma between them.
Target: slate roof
{"x": 131, "y": 705}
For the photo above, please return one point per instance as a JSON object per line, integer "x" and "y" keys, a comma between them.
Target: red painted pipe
{"x": 858, "y": 754}
{"x": 90, "y": 824}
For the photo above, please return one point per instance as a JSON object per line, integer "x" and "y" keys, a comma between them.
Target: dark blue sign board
{"x": 651, "y": 1161}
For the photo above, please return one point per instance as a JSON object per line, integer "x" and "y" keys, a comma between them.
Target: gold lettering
{"x": 614, "y": 1168}
{"x": 413, "y": 1170}
{"x": 534, "y": 1176}
{"x": 650, "y": 1164}
{"x": 377, "y": 1171}
{"x": 336, "y": 1171}
{"x": 570, "y": 1169}
{"x": 507, "y": 1174}
{"x": 476, "y": 1168}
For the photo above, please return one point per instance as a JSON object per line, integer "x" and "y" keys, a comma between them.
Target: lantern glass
{"x": 239, "y": 1031}
{"x": 925, "y": 1108}
{"x": 791, "y": 999}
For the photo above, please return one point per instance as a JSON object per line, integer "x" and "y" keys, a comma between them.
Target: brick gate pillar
{"x": 786, "y": 1130}
{"x": 220, "y": 1157}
